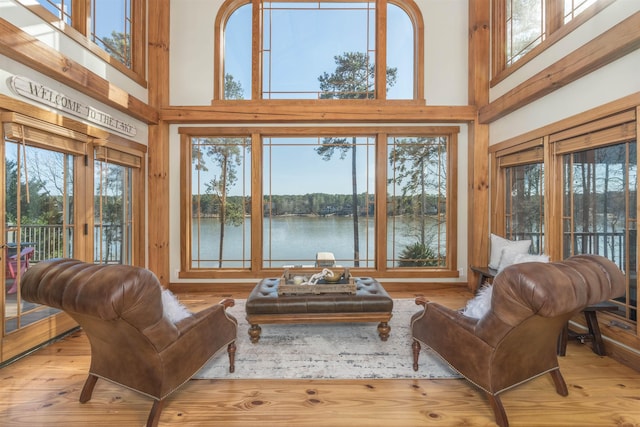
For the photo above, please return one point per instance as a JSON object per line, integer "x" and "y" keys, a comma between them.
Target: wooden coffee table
{"x": 370, "y": 303}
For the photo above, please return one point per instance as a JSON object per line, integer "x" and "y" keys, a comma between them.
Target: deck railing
{"x": 49, "y": 242}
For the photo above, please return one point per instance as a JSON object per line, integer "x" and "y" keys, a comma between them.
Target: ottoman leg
{"x": 383, "y": 330}
{"x": 254, "y": 333}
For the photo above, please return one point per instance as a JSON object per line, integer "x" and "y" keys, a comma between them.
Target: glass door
{"x": 39, "y": 223}
{"x": 113, "y": 208}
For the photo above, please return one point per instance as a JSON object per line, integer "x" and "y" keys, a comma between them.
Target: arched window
{"x": 319, "y": 50}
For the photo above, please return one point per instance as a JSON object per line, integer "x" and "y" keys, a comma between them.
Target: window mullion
{"x": 554, "y": 16}
{"x": 256, "y": 51}
{"x": 381, "y": 49}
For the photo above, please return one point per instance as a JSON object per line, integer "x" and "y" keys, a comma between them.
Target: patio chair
{"x": 12, "y": 267}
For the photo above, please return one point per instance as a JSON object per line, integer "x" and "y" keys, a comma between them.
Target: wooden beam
{"x": 22, "y": 47}
{"x": 478, "y": 150}
{"x": 317, "y": 111}
{"x": 604, "y": 49}
{"x": 158, "y": 179}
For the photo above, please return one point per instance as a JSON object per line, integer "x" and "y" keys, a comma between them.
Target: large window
{"x": 220, "y": 209}
{"x": 599, "y": 210}
{"x": 271, "y": 198}
{"x": 319, "y": 195}
{"x": 320, "y": 50}
{"x": 113, "y": 29}
{"x": 523, "y": 196}
{"x": 522, "y": 28}
{"x": 581, "y": 198}
{"x": 114, "y": 214}
{"x": 418, "y": 201}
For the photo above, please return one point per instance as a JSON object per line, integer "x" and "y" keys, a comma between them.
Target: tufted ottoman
{"x": 370, "y": 303}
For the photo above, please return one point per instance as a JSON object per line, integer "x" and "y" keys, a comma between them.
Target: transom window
{"x": 111, "y": 28}
{"x": 521, "y": 27}
{"x": 320, "y": 50}
{"x": 116, "y": 27}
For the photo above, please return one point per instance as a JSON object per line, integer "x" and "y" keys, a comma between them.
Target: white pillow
{"x": 480, "y": 304}
{"x": 498, "y": 244}
{"x": 173, "y": 309}
{"x": 515, "y": 258}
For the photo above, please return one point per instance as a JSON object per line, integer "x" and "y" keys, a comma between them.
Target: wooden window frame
{"x": 381, "y": 133}
{"x": 79, "y": 31}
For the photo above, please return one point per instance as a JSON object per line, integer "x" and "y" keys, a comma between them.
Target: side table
{"x": 593, "y": 334}
{"x": 484, "y": 274}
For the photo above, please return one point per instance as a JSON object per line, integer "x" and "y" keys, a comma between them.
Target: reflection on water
{"x": 296, "y": 240}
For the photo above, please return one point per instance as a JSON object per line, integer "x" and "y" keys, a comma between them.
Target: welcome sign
{"x": 44, "y": 95}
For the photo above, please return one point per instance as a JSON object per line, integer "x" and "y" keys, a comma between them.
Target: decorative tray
{"x": 290, "y": 286}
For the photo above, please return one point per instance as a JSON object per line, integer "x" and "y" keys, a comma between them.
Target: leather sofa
{"x": 516, "y": 340}
{"x": 133, "y": 343}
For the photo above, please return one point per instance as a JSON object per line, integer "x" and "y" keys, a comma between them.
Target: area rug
{"x": 328, "y": 351}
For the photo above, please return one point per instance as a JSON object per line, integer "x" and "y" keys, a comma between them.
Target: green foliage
{"x": 118, "y": 46}
{"x": 418, "y": 255}
{"x": 353, "y": 78}
{"x": 40, "y": 208}
{"x": 232, "y": 88}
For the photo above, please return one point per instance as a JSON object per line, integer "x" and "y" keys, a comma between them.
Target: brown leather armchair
{"x": 133, "y": 343}
{"x": 516, "y": 340}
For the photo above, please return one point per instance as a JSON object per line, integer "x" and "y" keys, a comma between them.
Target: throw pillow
{"x": 516, "y": 258}
{"x": 480, "y": 304}
{"x": 498, "y": 244}
{"x": 173, "y": 309}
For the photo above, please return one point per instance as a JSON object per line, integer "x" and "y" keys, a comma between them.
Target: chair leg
{"x": 416, "y": 353}
{"x": 498, "y": 410}
{"x": 231, "y": 350}
{"x": 14, "y": 287}
{"x": 154, "y": 415}
{"x": 87, "y": 390}
{"x": 562, "y": 341}
{"x": 558, "y": 380}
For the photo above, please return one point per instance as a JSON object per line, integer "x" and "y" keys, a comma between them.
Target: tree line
{"x": 317, "y": 204}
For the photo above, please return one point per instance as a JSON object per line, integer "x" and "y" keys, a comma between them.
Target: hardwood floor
{"x": 43, "y": 389}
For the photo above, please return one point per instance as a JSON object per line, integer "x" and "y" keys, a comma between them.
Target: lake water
{"x": 295, "y": 240}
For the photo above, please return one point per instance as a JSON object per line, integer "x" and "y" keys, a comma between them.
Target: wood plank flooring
{"x": 43, "y": 389}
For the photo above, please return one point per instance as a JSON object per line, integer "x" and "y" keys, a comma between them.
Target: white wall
{"x": 446, "y": 58}
{"x": 191, "y": 51}
{"x": 604, "y": 85}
